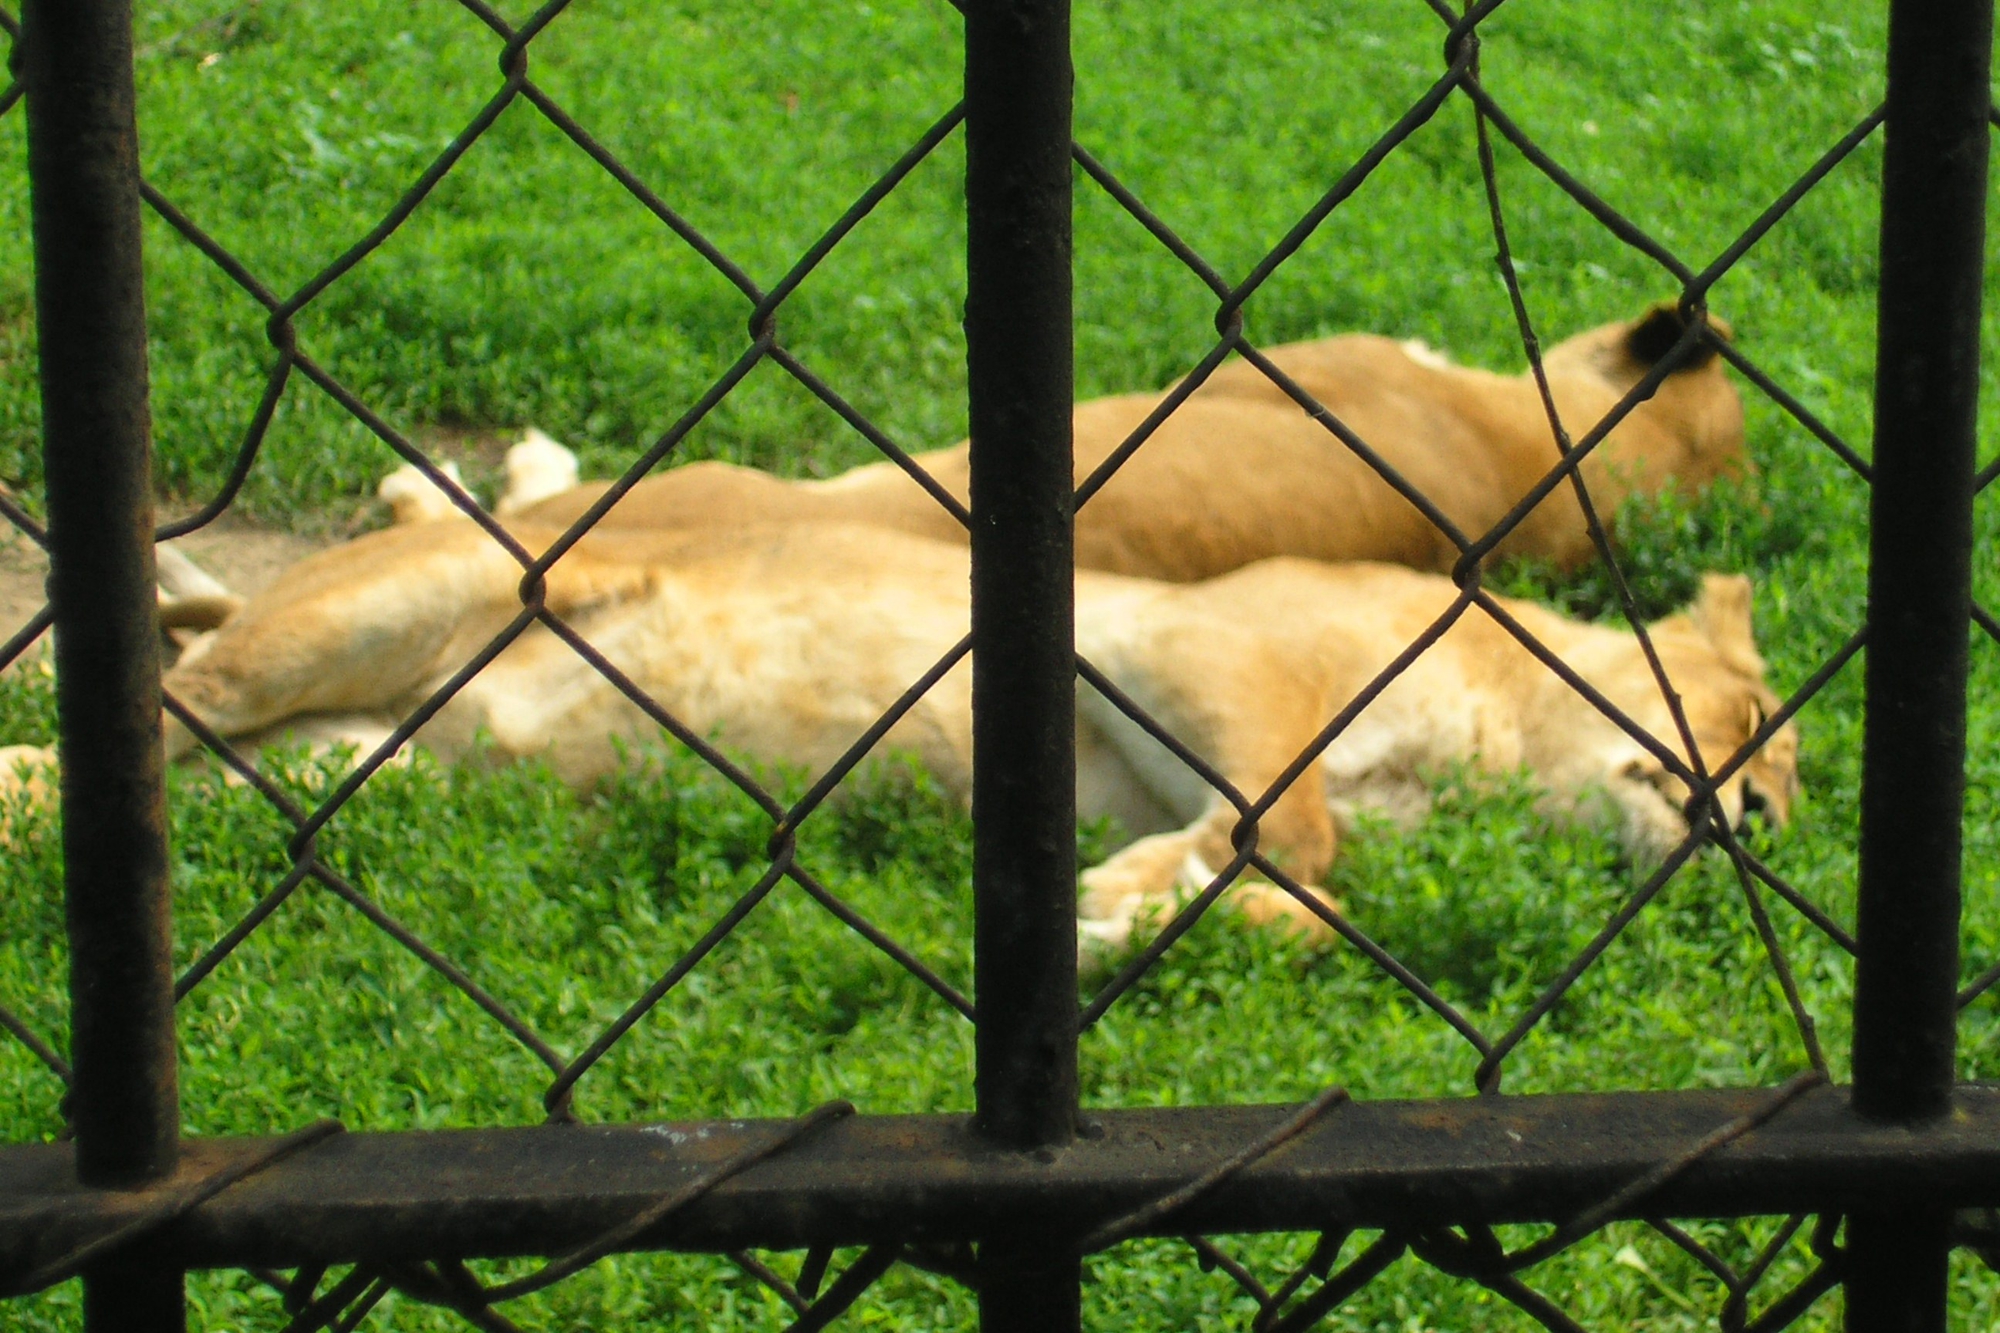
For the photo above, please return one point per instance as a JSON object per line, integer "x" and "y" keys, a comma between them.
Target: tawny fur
{"x": 786, "y": 642}
{"x": 537, "y": 468}
{"x": 1240, "y": 472}
{"x": 413, "y": 497}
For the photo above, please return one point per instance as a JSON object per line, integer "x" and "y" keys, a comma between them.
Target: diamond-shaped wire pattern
{"x": 1304, "y": 1296}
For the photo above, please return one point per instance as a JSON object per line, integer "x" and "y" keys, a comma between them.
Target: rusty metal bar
{"x": 1919, "y": 589}
{"x": 1898, "y": 1263}
{"x": 123, "y": 1296}
{"x": 868, "y": 1179}
{"x": 1020, "y": 386}
{"x": 90, "y": 307}
{"x": 1919, "y": 599}
{"x": 83, "y": 161}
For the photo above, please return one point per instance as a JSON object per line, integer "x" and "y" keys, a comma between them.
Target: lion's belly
{"x": 1122, "y": 772}
{"x": 1109, "y": 786}
{"x": 1431, "y": 717}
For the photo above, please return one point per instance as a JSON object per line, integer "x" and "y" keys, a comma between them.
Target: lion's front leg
{"x": 1143, "y": 880}
{"x": 1248, "y": 703}
{"x": 1151, "y": 877}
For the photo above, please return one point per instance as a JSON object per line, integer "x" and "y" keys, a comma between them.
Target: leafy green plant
{"x": 28, "y": 701}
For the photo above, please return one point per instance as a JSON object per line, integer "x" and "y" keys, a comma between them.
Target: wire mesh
{"x": 1308, "y": 1294}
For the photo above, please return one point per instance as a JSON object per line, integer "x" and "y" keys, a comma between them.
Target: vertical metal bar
{"x": 1897, "y": 1270}
{"x": 1919, "y": 591}
{"x": 1021, "y": 384}
{"x": 120, "y": 1296}
{"x": 83, "y": 165}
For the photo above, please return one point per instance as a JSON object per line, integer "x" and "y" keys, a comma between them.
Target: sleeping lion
{"x": 787, "y": 642}
{"x": 1240, "y": 472}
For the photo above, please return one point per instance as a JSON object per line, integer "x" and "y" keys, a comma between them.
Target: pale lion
{"x": 786, "y": 643}
{"x": 1239, "y": 472}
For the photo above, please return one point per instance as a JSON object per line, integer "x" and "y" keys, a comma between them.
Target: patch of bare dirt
{"x": 242, "y": 555}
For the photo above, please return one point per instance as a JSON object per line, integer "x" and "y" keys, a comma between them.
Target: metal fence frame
{"x": 130, "y": 1207}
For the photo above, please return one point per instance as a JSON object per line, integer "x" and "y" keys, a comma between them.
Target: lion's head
{"x": 1695, "y": 406}
{"x": 1709, "y": 656}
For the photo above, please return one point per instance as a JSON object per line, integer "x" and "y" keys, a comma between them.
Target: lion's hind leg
{"x": 28, "y": 774}
{"x": 358, "y": 628}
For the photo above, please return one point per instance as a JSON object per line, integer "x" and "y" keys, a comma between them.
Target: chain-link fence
{"x": 1881, "y": 1177}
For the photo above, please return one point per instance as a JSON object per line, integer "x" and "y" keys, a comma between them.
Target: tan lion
{"x": 786, "y": 643}
{"x": 1239, "y": 472}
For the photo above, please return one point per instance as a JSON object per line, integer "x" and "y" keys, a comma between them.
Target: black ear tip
{"x": 1655, "y": 333}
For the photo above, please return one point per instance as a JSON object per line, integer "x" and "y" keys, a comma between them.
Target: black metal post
{"x": 1021, "y": 383}
{"x": 1919, "y": 605}
{"x": 83, "y": 164}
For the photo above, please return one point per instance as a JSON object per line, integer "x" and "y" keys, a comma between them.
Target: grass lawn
{"x": 529, "y": 287}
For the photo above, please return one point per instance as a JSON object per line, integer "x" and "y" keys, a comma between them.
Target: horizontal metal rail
{"x": 873, "y": 1179}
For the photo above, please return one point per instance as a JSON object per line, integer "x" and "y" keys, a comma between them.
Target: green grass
{"x": 529, "y": 288}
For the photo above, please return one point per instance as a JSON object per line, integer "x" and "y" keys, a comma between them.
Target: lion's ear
{"x": 1653, "y": 335}
{"x": 1721, "y": 611}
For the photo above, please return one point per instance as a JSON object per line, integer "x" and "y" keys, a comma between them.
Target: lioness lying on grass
{"x": 1240, "y": 472}
{"x": 787, "y": 642}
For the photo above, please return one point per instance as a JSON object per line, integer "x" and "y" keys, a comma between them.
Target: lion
{"x": 1239, "y": 471}
{"x": 787, "y": 642}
